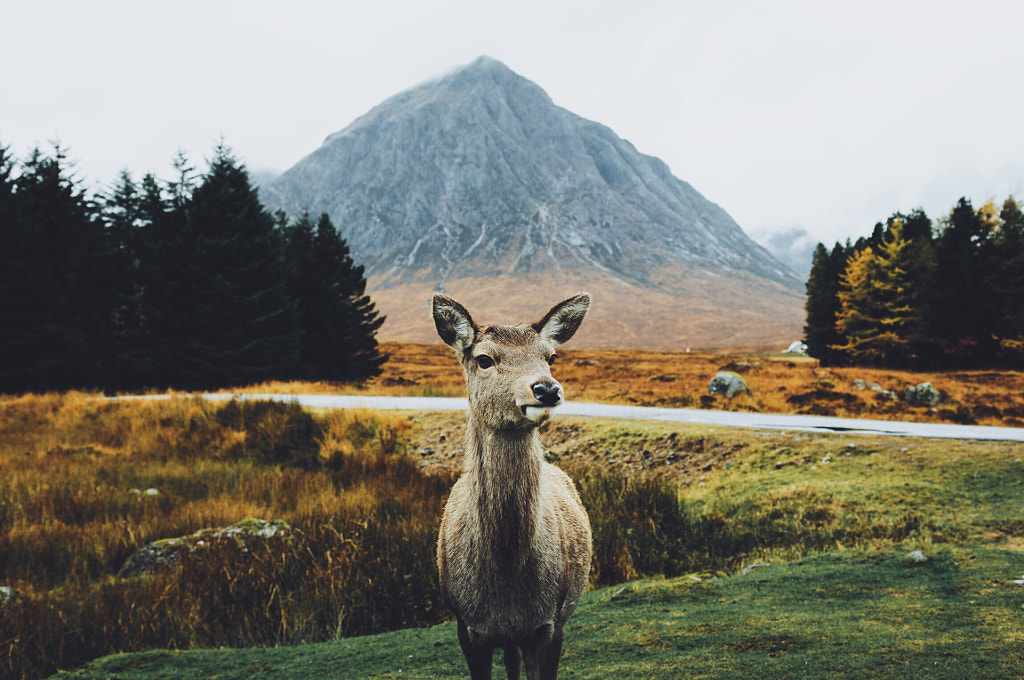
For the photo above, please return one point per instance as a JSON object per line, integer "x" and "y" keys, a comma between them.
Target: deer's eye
{"x": 484, "y": 361}
{"x": 551, "y": 359}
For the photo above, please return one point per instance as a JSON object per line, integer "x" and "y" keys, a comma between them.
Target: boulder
{"x": 797, "y": 347}
{"x": 164, "y": 554}
{"x": 728, "y": 384}
{"x": 861, "y": 385}
{"x": 924, "y": 394}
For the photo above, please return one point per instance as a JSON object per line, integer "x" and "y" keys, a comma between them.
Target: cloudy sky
{"x": 790, "y": 115}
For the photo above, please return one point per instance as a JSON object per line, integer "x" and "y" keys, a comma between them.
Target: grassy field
{"x": 833, "y": 514}
{"x": 778, "y": 383}
{"x": 846, "y": 614}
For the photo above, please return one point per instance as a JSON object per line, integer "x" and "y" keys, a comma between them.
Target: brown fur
{"x": 514, "y": 547}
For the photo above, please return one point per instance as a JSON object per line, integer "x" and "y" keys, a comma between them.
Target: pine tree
{"x": 1007, "y": 283}
{"x": 855, "y": 322}
{"x": 962, "y": 311}
{"x": 879, "y": 319}
{"x": 122, "y": 216}
{"x": 822, "y": 306}
{"x": 165, "y": 247}
{"x": 225, "y": 307}
{"x": 919, "y": 261}
{"x": 13, "y": 307}
{"x": 56, "y": 314}
{"x": 898, "y": 299}
{"x": 339, "y": 322}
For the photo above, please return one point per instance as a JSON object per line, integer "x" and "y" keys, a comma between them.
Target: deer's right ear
{"x": 453, "y": 322}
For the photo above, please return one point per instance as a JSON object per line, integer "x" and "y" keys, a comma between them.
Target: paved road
{"x": 763, "y": 421}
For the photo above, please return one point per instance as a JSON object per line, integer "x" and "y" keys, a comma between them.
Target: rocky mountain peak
{"x": 478, "y": 174}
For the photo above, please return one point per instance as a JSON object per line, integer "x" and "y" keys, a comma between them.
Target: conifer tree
{"x": 13, "y": 308}
{"x": 1007, "y": 282}
{"x": 56, "y": 316}
{"x": 226, "y": 296}
{"x": 822, "y": 306}
{"x": 961, "y": 312}
{"x": 339, "y": 321}
{"x": 880, "y": 319}
{"x": 122, "y": 215}
{"x": 855, "y": 322}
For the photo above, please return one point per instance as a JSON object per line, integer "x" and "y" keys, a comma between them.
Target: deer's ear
{"x": 453, "y": 322}
{"x": 564, "y": 319}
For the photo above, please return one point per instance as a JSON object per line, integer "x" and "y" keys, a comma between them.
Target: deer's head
{"x": 508, "y": 368}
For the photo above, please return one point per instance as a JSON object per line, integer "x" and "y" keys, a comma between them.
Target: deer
{"x": 514, "y": 545}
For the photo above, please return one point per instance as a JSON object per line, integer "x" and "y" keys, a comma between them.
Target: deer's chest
{"x": 503, "y": 578}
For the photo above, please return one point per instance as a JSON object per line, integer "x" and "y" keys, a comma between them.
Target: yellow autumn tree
{"x": 879, "y": 318}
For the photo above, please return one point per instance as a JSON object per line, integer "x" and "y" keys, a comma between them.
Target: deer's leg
{"x": 512, "y": 662}
{"x": 478, "y": 655}
{"x": 541, "y": 653}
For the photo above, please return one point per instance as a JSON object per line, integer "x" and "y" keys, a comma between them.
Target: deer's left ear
{"x": 564, "y": 319}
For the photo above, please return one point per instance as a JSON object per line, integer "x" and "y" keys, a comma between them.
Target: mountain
{"x": 479, "y": 185}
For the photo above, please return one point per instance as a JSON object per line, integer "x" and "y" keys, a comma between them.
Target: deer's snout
{"x": 547, "y": 393}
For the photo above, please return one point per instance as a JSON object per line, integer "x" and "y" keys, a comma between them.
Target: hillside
{"x": 479, "y": 185}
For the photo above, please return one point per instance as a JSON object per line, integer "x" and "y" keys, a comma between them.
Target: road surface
{"x": 762, "y": 421}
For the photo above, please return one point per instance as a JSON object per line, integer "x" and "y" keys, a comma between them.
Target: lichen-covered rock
{"x": 924, "y": 394}
{"x": 728, "y": 384}
{"x": 165, "y": 553}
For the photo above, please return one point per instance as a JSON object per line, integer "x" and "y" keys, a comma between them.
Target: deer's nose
{"x": 546, "y": 393}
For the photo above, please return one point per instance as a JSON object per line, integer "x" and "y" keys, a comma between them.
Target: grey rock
{"x": 916, "y": 556}
{"x": 479, "y": 172}
{"x": 728, "y": 384}
{"x": 164, "y": 554}
{"x": 751, "y": 567}
{"x": 859, "y": 384}
{"x": 924, "y": 394}
{"x": 797, "y": 347}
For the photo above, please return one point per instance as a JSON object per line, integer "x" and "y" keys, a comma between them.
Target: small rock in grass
{"x": 916, "y": 556}
{"x": 751, "y": 567}
{"x": 728, "y": 384}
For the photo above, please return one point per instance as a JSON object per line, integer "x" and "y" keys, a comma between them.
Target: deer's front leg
{"x": 541, "y": 653}
{"x": 478, "y": 655}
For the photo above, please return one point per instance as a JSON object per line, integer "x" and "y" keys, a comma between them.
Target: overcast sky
{"x": 824, "y": 116}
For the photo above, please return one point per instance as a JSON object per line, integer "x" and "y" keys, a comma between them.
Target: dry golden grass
{"x": 779, "y": 384}
{"x": 362, "y": 559}
{"x": 73, "y": 473}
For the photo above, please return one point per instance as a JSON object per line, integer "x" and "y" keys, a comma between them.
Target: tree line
{"x": 921, "y": 295}
{"x": 189, "y": 283}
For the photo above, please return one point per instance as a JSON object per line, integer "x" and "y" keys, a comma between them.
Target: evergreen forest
{"x": 918, "y": 294}
{"x": 188, "y": 284}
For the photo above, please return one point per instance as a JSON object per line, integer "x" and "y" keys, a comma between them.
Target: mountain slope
{"x": 477, "y": 184}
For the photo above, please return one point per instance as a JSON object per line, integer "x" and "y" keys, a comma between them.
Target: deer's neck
{"x": 507, "y": 464}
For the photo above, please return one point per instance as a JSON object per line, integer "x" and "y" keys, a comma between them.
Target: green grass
{"x": 849, "y": 614}
{"x": 664, "y": 499}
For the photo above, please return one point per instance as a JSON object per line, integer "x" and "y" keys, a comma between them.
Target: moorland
{"x": 779, "y": 383}
{"x": 679, "y": 512}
